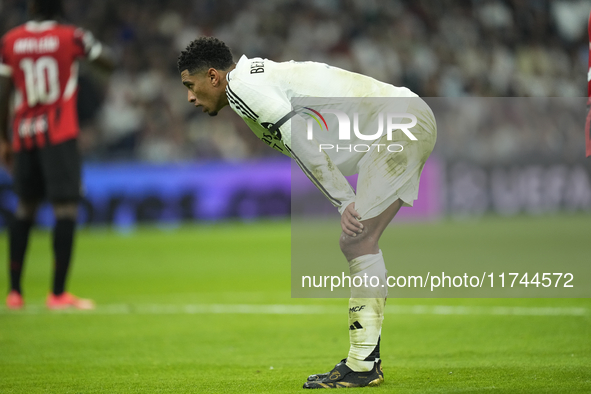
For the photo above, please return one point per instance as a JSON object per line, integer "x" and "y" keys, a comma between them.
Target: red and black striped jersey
{"x": 41, "y": 58}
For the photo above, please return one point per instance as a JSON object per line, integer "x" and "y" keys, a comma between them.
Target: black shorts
{"x": 52, "y": 172}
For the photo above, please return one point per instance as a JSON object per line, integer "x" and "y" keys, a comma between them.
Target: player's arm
{"x": 105, "y": 60}
{"x": 321, "y": 170}
{"x": 95, "y": 52}
{"x": 6, "y": 89}
{"x": 273, "y": 111}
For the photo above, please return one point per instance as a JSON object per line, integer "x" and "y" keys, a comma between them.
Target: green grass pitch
{"x": 165, "y": 321}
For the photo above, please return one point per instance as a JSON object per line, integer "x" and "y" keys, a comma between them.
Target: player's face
{"x": 204, "y": 90}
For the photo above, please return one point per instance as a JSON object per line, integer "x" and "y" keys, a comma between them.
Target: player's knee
{"x": 346, "y": 244}
{"x": 359, "y": 245}
{"x": 65, "y": 209}
{"x": 27, "y": 209}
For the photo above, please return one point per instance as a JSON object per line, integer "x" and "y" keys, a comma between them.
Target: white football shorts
{"x": 385, "y": 177}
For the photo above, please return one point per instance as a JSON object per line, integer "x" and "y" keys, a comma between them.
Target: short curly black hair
{"x": 205, "y": 52}
{"x": 47, "y": 9}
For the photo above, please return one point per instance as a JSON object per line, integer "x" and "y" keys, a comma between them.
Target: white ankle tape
{"x": 365, "y": 326}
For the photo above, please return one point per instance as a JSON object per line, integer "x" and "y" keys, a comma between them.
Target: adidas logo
{"x": 355, "y": 326}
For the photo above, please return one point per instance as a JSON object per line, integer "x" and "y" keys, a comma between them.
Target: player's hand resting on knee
{"x": 350, "y": 221}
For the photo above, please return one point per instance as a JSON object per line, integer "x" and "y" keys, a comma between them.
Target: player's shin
{"x": 366, "y": 310}
{"x": 63, "y": 239}
{"x": 18, "y": 240}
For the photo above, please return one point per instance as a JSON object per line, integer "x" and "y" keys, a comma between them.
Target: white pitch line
{"x": 487, "y": 310}
{"x": 278, "y": 309}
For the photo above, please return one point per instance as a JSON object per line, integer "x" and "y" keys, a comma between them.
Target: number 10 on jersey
{"x": 41, "y": 80}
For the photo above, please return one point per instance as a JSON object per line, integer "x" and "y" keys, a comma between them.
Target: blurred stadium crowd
{"x": 447, "y": 48}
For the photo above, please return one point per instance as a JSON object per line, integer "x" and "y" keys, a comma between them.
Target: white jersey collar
{"x": 39, "y": 26}
{"x": 241, "y": 62}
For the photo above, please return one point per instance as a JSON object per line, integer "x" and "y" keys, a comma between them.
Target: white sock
{"x": 366, "y": 310}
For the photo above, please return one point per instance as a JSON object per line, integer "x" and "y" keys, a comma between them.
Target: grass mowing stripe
{"x": 167, "y": 323}
{"x": 278, "y": 309}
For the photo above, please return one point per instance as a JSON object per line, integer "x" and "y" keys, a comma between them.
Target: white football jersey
{"x": 261, "y": 92}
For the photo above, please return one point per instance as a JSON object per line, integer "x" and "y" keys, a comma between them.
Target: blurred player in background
{"x": 588, "y": 122}
{"x": 259, "y": 91}
{"x": 39, "y": 70}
